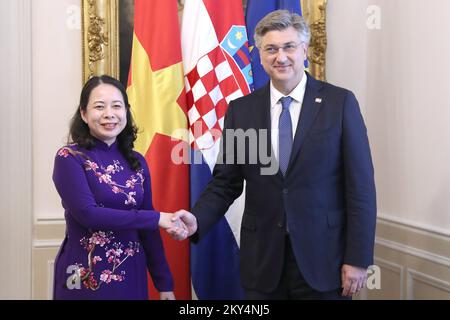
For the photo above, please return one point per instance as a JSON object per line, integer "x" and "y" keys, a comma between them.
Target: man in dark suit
{"x": 308, "y": 229}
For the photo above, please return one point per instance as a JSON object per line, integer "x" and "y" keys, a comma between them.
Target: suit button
{"x": 285, "y": 191}
{"x": 280, "y": 224}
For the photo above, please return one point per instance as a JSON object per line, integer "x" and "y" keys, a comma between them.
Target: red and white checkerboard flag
{"x": 217, "y": 70}
{"x": 210, "y": 86}
{"x": 210, "y": 76}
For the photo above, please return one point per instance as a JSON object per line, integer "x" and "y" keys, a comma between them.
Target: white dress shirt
{"x": 294, "y": 109}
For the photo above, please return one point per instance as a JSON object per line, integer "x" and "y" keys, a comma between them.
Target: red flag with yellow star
{"x": 157, "y": 98}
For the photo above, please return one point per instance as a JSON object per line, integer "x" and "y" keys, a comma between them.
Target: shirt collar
{"x": 297, "y": 94}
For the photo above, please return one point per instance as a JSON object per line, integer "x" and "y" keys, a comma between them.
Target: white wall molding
{"x": 414, "y": 275}
{"x": 394, "y": 267}
{"x": 47, "y": 221}
{"x": 16, "y": 160}
{"x": 417, "y": 226}
{"x": 48, "y": 236}
{"x": 56, "y": 56}
{"x": 422, "y": 254}
{"x": 50, "y": 273}
{"x": 46, "y": 244}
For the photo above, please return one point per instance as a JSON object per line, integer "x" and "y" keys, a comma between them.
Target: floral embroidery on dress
{"x": 116, "y": 255}
{"x": 63, "y": 152}
{"x": 104, "y": 175}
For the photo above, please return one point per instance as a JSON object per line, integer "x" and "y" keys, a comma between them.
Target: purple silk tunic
{"x": 112, "y": 235}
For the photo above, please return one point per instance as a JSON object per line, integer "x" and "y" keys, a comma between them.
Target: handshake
{"x": 179, "y": 225}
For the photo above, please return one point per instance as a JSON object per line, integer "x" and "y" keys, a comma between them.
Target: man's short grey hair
{"x": 280, "y": 20}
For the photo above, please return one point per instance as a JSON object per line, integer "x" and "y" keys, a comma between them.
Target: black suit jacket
{"x": 327, "y": 197}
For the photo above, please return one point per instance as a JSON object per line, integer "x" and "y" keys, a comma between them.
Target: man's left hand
{"x": 353, "y": 279}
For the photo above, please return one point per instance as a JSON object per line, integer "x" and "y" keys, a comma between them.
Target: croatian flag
{"x": 217, "y": 70}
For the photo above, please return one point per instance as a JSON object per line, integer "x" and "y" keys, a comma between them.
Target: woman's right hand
{"x": 174, "y": 224}
{"x": 165, "y": 220}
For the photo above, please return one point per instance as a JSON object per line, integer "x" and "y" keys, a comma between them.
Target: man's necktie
{"x": 285, "y": 134}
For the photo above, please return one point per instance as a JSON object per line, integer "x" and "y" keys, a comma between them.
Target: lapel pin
{"x": 318, "y": 100}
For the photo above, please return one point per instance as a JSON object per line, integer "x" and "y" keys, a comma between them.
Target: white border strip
{"x": 414, "y": 224}
{"x": 435, "y": 258}
{"x": 414, "y": 276}
{"x": 45, "y": 244}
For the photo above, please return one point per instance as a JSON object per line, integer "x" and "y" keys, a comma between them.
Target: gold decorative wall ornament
{"x": 314, "y": 12}
{"x": 180, "y": 5}
{"x": 100, "y": 38}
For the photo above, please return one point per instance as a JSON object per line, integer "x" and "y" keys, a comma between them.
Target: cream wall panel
{"x": 43, "y": 262}
{"x": 425, "y": 287}
{"x": 16, "y": 148}
{"x": 56, "y": 87}
{"x": 50, "y": 275}
{"x": 414, "y": 241}
{"x": 401, "y": 75}
{"x": 346, "y": 63}
{"x": 48, "y": 236}
{"x": 391, "y": 281}
{"x": 414, "y": 260}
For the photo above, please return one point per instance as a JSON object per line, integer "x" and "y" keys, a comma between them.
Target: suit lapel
{"x": 263, "y": 103}
{"x": 311, "y": 106}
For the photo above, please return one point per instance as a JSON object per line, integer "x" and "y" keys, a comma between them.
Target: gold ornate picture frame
{"x": 314, "y": 12}
{"x": 101, "y": 47}
{"x": 100, "y": 37}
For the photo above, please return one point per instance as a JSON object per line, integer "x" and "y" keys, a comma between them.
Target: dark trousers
{"x": 292, "y": 285}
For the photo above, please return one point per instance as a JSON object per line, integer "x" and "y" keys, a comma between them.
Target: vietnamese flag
{"x": 157, "y": 97}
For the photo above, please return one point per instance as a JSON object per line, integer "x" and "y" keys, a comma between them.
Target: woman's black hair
{"x": 79, "y": 132}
